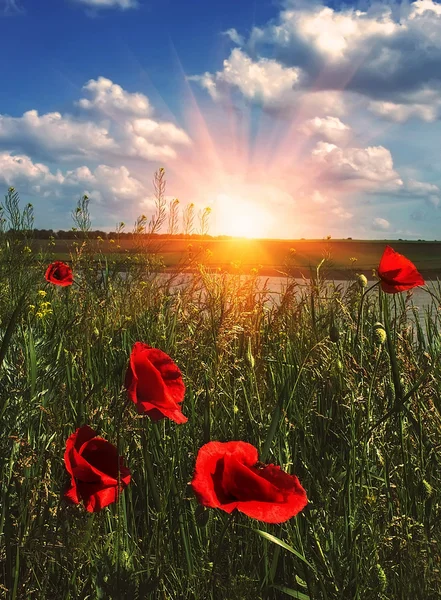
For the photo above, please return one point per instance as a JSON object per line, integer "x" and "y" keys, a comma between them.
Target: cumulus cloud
{"x": 389, "y": 54}
{"x": 116, "y": 183}
{"x": 111, "y": 100}
{"x": 19, "y": 170}
{"x": 329, "y": 128}
{"x": 371, "y": 167}
{"x": 54, "y": 135}
{"x": 112, "y": 189}
{"x": 264, "y": 81}
{"x": 113, "y": 125}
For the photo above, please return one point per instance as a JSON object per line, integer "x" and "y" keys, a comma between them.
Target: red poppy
{"x": 397, "y": 273}
{"x": 59, "y": 273}
{"x": 93, "y": 465}
{"x": 154, "y": 383}
{"x": 228, "y": 476}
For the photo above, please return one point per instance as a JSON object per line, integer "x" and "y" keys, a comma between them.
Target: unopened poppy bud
{"x": 339, "y": 366}
{"x": 362, "y": 280}
{"x": 379, "y": 333}
{"x": 249, "y": 358}
{"x": 334, "y": 333}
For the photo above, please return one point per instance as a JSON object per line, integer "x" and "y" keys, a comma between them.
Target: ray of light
{"x": 291, "y": 145}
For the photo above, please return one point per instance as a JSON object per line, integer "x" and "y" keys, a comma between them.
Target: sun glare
{"x": 240, "y": 218}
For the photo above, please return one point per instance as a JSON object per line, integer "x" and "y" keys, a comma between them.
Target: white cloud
{"x": 111, "y": 188}
{"x": 371, "y": 166}
{"x": 234, "y": 36}
{"x": 113, "y": 125}
{"x": 389, "y": 54}
{"x": 419, "y": 188}
{"x": 123, "y": 4}
{"x": 333, "y": 33}
{"x": 329, "y": 128}
{"x": 380, "y": 224}
{"x": 403, "y": 112}
{"x": 111, "y": 100}
{"x": 54, "y": 134}
{"x": 116, "y": 181}
{"x": 20, "y": 170}
{"x": 264, "y": 81}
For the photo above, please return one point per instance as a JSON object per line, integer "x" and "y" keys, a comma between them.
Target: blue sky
{"x": 287, "y": 118}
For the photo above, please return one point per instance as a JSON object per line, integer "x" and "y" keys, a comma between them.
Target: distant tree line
{"x": 61, "y": 234}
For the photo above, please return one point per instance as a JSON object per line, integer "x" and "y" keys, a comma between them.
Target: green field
{"x": 312, "y": 381}
{"x": 269, "y": 256}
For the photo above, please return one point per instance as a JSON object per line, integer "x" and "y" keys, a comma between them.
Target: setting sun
{"x": 240, "y": 218}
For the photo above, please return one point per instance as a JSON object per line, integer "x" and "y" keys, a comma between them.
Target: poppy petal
{"x": 154, "y": 383}
{"x": 207, "y": 480}
{"x": 227, "y": 476}
{"x": 93, "y": 464}
{"x": 397, "y": 273}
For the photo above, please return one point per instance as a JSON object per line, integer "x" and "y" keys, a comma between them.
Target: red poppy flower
{"x": 59, "y": 273}
{"x": 228, "y": 476}
{"x": 397, "y": 273}
{"x": 154, "y": 383}
{"x": 93, "y": 465}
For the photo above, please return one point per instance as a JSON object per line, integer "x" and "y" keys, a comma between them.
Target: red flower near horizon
{"x": 59, "y": 273}
{"x": 154, "y": 383}
{"x": 397, "y": 273}
{"x": 228, "y": 476}
{"x": 93, "y": 465}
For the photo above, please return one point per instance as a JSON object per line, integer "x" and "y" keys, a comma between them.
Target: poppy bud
{"x": 362, "y": 281}
{"x": 379, "y": 333}
{"x": 249, "y": 358}
{"x": 339, "y": 366}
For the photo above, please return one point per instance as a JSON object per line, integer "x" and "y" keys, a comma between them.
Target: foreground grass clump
{"x": 340, "y": 389}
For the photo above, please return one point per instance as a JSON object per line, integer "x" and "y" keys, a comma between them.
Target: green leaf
{"x": 276, "y": 540}
{"x": 292, "y": 593}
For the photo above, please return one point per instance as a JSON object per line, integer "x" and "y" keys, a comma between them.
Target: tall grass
{"x": 305, "y": 379}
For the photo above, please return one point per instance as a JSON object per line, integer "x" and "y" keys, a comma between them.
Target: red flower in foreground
{"x": 93, "y": 465}
{"x": 397, "y": 273}
{"x": 228, "y": 476}
{"x": 154, "y": 383}
{"x": 59, "y": 273}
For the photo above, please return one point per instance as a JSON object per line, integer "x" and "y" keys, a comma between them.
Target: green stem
{"x": 227, "y": 524}
{"x": 360, "y": 311}
{"x": 391, "y": 350}
{"x": 150, "y": 473}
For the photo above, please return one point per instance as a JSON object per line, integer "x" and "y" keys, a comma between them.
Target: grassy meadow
{"x": 353, "y": 409}
{"x": 270, "y": 257}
